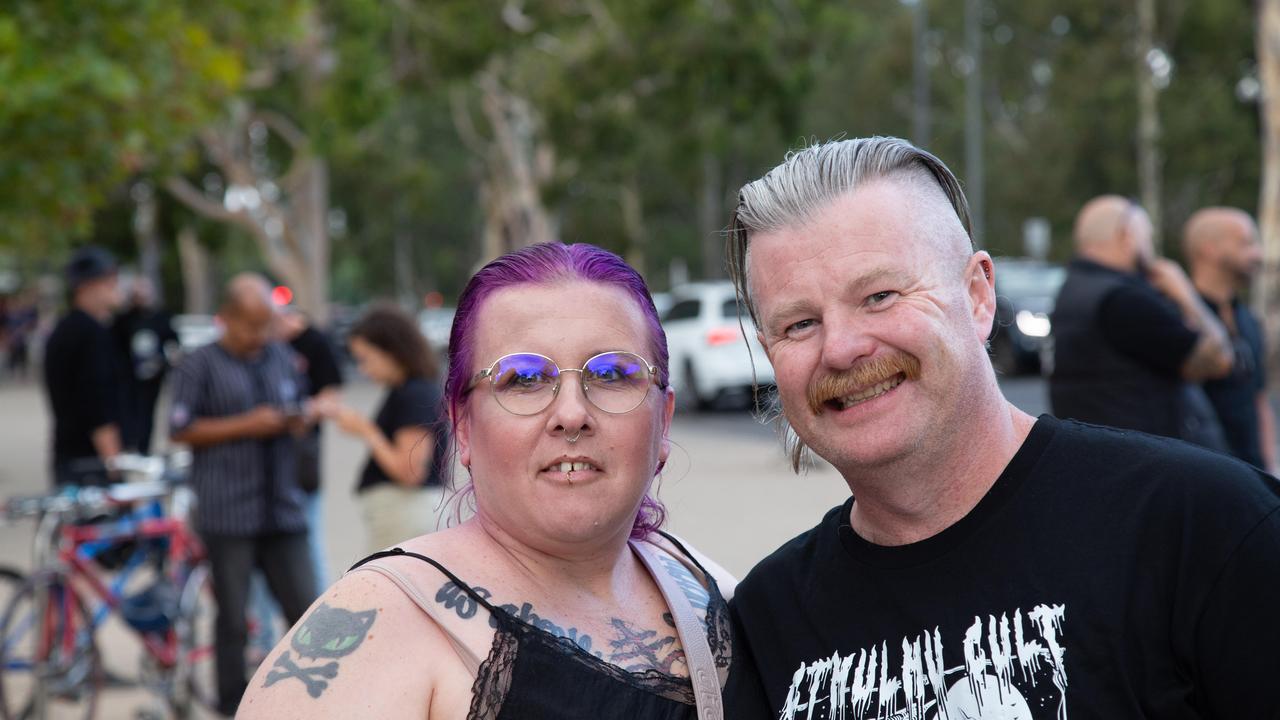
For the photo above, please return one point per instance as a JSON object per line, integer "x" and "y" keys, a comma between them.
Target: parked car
{"x": 710, "y": 359}
{"x": 436, "y": 324}
{"x": 196, "y": 330}
{"x": 1022, "y": 339}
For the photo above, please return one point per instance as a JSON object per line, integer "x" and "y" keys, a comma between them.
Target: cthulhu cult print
{"x": 328, "y": 633}
{"x": 1011, "y": 668}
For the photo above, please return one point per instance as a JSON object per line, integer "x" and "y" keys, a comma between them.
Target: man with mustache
{"x": 988, "y": 564}
{"x": 1222, "y": 249}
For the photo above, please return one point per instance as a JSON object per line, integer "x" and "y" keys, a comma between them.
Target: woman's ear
{"x": 462, "y": 435}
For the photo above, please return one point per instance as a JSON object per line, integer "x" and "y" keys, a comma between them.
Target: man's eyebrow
{"x": 863, "y": 281}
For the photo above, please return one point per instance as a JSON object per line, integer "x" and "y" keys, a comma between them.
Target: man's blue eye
{"x": 881, "y": 296}
{"x": 802, "y": 325}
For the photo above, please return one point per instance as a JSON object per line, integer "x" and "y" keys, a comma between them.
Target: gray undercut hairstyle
{"x": 806, "y": 181}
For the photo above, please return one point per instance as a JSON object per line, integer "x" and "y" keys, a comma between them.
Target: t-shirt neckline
{"x": 1006, "y": 486}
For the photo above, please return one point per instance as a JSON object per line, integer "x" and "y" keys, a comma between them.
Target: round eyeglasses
{"x": 526, "y": 383}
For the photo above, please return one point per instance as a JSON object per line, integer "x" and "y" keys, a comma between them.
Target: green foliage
{"x": 94, "y": 92}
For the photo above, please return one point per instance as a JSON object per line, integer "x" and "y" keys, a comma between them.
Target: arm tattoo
{"x": 327, "y": 633}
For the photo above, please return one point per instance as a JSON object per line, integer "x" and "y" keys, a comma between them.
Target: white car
{"x": 710, "y": 358}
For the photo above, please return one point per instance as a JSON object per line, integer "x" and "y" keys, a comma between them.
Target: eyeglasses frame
{"x": 555, "y": 389}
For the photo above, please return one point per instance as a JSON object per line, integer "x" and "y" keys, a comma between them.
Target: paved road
{"x": 727, "y": 487}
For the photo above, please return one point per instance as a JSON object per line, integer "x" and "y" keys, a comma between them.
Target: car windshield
{"x": 1026, "y": 280}
{"x": 730, "y": 309}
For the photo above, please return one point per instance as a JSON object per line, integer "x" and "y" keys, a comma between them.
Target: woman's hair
{"x": 391, "y": 330}
{"x": 548, "y": 264}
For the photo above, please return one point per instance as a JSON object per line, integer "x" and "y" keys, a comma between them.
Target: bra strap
{"x": 397, "y": 552}
{"x": 702, "y": 667}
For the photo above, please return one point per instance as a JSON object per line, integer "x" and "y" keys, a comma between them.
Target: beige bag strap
{"x": 702, "y": 666}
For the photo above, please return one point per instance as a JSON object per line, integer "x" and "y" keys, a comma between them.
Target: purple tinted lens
{"x": 524, "y": 372}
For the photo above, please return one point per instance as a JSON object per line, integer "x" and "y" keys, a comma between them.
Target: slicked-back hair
{"x": 807, "y": 180}
{"x": 548, "y": 264}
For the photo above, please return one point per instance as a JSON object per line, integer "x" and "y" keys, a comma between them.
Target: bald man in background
{"x": 238, "y": 403}
{"x": 1132, "y": 338}
{"x": 1222, "y": 249}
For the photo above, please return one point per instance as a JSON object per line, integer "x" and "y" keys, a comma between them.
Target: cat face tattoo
{"x": 328, "y": 633}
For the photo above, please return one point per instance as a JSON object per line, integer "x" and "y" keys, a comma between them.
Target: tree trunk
{"x": 197, "y": 280}
{"x": 1267, "y": 297}
{"x": 637, "y": 252}
{"x": 145, "y": 232}
{"x": 711, "y": 218}
{"x": 1149, "y": 159}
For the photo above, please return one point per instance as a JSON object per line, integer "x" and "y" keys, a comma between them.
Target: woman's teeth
{"x": 574, "y": 467}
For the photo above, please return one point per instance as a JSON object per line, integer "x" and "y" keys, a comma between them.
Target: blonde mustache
{"x": 859, "y": 377}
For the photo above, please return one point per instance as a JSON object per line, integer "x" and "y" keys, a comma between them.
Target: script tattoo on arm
{"x": 629, "y": 646}
{"x": 327, "y": 633}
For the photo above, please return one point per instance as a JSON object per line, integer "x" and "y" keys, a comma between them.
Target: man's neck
{"x": 102, "y": 315}
{"x": 922, "y": 495}
{"x": 1213, "y": 284}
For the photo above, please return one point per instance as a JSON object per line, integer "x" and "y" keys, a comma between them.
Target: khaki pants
{"x": 393, "y": 514}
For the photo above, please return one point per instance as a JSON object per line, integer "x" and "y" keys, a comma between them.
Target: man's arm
{"x": 1267, "y": 434}
{"x": 261, "y": 422}
{"x": 1212, "y": 355}
{"x": 106, "y": 441}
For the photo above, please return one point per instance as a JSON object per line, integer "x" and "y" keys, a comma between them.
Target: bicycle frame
{"x": 73, "y": 548}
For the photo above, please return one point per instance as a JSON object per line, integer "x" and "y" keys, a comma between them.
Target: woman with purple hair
{"x": 559, "y": 598}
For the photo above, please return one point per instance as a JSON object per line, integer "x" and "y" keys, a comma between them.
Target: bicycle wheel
{"x": 50, "y": 661}
{"x": 194, "y": 681}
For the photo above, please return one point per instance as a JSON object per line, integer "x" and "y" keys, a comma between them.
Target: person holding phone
{"x": 1132, "y": 339}
{"x": 238, "y": 403}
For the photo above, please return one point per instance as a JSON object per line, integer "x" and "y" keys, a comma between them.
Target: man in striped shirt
{"x": 238, "y": 403}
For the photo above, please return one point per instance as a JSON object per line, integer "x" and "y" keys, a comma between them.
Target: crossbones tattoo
{"x": 286, "y": 668}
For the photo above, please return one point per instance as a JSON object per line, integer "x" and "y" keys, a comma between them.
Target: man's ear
{"x": 980, "y": 286}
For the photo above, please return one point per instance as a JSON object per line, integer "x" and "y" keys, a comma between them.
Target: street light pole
{"x": 921, "y": 120}
{"x": 975, "y": 169}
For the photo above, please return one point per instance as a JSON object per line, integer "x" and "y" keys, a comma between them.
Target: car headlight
{"x": 1032, "y": 324}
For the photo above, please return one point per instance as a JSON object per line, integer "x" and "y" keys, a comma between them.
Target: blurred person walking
{"x": 146, "y": 339}
{"x": 82, "y": 374}
{"x": 401, "y": 488}
{"x": 1132, "y": 337}
{"x": 318, "y": 363}
{"x": 238, "y": 403}
{"x": 1222, "y": 248}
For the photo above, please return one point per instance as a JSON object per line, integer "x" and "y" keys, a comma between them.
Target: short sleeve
{"x": 1147, "y": 328}
{"x": 1238, "y": 634}
{"x": 416, "y": 404}
{"x": 187, "y": 379}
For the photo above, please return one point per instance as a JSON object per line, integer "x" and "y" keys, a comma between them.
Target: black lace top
{"x": 532, "y": 674}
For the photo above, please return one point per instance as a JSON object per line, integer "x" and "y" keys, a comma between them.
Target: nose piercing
{"x": 575, "y": 437}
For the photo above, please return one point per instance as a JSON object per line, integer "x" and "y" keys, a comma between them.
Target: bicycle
{"x": 48, "y": 647}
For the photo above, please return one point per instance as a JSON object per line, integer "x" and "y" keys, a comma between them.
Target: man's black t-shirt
{"x": 416, "y": 403}
{"x": 85, "y": 384}
{"x": 1147, "y": 327}
{"x": 1235, "y": 397}
{"x": 1106, "y": 574}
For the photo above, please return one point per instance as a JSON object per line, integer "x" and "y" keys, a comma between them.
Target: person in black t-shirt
{"x": 988, "y": 564}
{"x": 1223, "y": 251}
{"x": 1131, "y": 337}
{"x": 400, "y": 488}
{"x": 146, "y": 338}
{"x": 82, "y": 373}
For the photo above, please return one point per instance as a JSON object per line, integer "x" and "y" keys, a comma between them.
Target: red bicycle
{"x": 125, "y": 550}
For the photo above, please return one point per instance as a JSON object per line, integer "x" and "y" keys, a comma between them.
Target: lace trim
{"x": 493, "y": 679}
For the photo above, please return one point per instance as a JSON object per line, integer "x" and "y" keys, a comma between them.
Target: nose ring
{"x": 575, "y": 437}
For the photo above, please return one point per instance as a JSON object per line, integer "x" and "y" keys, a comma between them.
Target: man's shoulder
{"x": 1108, "y": 461}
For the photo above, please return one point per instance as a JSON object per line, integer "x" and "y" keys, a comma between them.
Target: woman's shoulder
{"x": 385, "y": 638}
{"x": 362, "y": 644}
